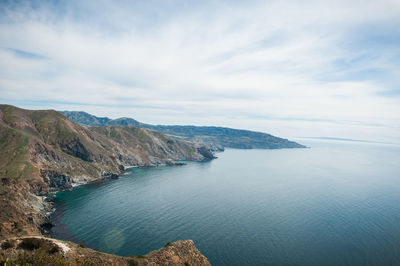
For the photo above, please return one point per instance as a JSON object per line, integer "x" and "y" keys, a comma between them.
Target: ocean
{"x": 336, "y": 203}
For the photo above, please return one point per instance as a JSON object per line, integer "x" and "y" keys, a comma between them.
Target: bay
{"x": 337, "y": 203}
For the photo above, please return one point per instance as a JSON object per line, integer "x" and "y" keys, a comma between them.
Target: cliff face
{"x": 43, "y": 151}
{"x": 216, "y": 138}
{"x": 48, "y": 150}
{"x": 153, "y": 147}
{"x": 22, "y": 212}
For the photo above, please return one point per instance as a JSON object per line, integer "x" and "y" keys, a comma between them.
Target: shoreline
{"x": 53, "y": 217}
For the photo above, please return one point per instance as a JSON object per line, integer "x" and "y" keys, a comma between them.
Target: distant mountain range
{"x": 217, "y": 138}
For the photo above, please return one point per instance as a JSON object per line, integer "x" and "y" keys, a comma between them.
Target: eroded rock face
{"x": 76, "y": 149}
{"x": 21, "y": 212}
{"x": 56, "y": 180}
{"x": 206, "y": 153}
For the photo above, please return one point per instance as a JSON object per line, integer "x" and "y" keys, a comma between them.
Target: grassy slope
{"x": 34, "y": 140}
{"x": 150, "y": 143}
{"x": 219, "y": 136}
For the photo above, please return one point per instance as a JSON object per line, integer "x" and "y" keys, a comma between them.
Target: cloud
{"x": 308, "y": 68}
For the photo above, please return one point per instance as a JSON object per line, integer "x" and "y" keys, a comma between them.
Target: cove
{"x": 334, "y": 204}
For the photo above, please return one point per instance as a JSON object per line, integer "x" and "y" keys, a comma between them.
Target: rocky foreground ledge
{"x": 38, "y": 250}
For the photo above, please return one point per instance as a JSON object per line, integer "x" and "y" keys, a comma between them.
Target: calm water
{"x": 334, "y": 204}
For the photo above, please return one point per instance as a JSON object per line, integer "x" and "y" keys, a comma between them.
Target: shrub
{"x": 17, "y": 226}
{"x": 31, "y": 243}
{"x": 168, "y": 244}
{"x": 132, "y": 262}
{"x": 54, "y": 249}
{"x": 39, "y": 243}
{"x": 38, "y": 257}
{"x": 8, "y": 244}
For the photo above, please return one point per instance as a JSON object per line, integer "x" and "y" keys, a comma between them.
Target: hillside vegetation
{"x": 43, "y": 151}
{"x": 215, "y": 137}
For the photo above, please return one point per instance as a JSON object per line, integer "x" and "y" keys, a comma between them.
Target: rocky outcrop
{"x": 39, "y": 250}
{"x": 206, "y": 152}
{"x": 56, "y": 180}
{"x": 182, "y": 252}
{"x": 22, "y": 212}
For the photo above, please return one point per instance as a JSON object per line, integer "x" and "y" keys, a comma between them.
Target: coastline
{"x": 54, "y": 216}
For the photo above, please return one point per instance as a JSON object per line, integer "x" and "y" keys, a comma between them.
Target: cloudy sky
{"x": 289, "y": 68}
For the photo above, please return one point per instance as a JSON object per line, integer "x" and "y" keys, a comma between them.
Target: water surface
{"x": 334, "y": 204}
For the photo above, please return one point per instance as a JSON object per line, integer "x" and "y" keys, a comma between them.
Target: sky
{"x": 289, "y": 68}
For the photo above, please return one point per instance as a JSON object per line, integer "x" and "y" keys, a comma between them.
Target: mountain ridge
{"x": 45, "y": 143}
{"x": 215, "y": 137}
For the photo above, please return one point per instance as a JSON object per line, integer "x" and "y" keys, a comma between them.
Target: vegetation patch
{"x": 8, "y": 244}
{"x": 33, "y": 243}
{"x": 37, "y": 257}
{"x": 132, "y": 262}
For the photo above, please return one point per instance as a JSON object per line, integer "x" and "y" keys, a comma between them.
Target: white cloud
{"x": 292, "y": 68}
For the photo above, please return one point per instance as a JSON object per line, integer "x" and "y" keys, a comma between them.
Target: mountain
{"x": 46, "y": 144}
{"x": 215, "y": 137}
{"x": 43, "y": 151}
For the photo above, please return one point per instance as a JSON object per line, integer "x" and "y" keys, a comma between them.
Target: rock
{"x": 76, "y": 148}
{"x": 181, "y": 252}
{"x": 56, "y": 180}
{"x": 47, "y": 225}
{"x": 207, "y": 154}
{"x": 110, "y": 175}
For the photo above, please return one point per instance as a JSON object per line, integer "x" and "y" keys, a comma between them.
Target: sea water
{"x": 336, "y": 203}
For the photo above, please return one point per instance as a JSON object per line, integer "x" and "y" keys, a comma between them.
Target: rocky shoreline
{"x": 40, "y": 220}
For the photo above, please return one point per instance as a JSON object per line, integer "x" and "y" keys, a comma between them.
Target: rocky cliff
{"x": 216, "y": 138}
{"x": 47, "y": 149}
{"x": 43, "y": 151}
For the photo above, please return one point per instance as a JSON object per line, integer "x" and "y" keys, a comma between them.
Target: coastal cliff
{"x": 43, "y": 152}
{"x": 215, "y": 138}
{"x": 50, "y": 151}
